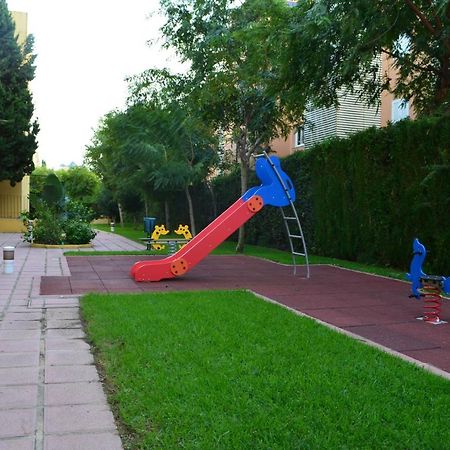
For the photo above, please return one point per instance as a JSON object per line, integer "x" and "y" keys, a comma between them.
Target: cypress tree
{"x": 17, "y": 129}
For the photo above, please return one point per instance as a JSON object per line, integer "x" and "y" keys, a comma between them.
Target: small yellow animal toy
{"x": 160, "y": 230}
{"x": 184, "y": 230}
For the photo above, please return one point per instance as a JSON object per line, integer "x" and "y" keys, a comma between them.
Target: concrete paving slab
{"x": 61, "y": 323}
{"x": 78, "y": 418}
{"x": 63, "y": 314}
{"x": 17, "y": 422}
{"x": 19, "y": 375}
{"x": 20, "y": 325}
{"x": 25, "y": 316}
{"x": 25, "y": 345}
{"x": 97, "y": 441}
{"x": 17, "y": 397}
{"x": 67, "y": 358}
{"x": 70, "y": 374}
{"x": 66, "y": 344}
{"x": 65, "y": 333}
{"x": 29, "y": 359}
{"x": 21, "y": 443}
{"x": 20, "y": 334}
{"x": 74, "y": 393}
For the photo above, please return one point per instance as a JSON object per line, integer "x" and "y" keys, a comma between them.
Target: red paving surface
{"x": 372, "y": 307}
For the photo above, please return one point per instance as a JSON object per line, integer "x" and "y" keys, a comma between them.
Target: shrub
{"x": 53, "y": 228}
{"x": 48, "y": 228}
{"x": 75, "y": 210}
{"x": 78, "y": 232}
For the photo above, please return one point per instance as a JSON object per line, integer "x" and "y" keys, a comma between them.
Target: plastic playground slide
{"x": 270, "y": 192}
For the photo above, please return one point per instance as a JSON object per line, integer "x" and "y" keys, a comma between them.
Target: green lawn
{"x": 226, "y": 370}
{"x": 130, "y": 232}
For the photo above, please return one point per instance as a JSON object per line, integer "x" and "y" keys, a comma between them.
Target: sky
{"x": 85, "y": 49}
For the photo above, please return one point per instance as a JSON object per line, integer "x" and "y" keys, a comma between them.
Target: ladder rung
{"x": 296, "y": 236}
{"x": 298, "y": 254}
{"x": 290, "y": 218}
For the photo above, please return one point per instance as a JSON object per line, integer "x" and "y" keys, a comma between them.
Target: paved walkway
{"x": 50, "y": 393}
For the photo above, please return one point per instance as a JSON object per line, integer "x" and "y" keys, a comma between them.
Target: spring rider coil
{"x": 431, "y": 294}
{"x": 428, "y": 287}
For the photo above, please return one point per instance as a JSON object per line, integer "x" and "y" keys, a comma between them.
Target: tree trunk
{"x": 213, "y": 199}
{"x": 146, "y": 206}
{"x": 442, "y": 92}
{"x": 121, "y": 215}
{"x": 167, "y": 214}
{"x": 243, "y": 162}
{"x": 191, "y": 210}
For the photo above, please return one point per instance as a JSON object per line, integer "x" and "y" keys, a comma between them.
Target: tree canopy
{"x": 151, "y": 150}
{"x": 17, "y": 129}
{"x": 336, "y": 44}
{"x": 231, "y": 49}
{"x": 80, "y": 184}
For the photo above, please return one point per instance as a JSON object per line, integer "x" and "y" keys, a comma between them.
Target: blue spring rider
{"x": 418, "y": 277}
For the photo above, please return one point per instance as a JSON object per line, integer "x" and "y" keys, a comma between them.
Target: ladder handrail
{"x": 286, "y": 218}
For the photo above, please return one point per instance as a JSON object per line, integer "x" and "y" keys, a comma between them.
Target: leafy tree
{"x": 153, "y": 151}
{"x": 102, "y": 156}
{"x": 232, "y": 52}
{"x": 105, "y": 204}
{"x": 80, "y": 184}
{"x": 336, "y": 44}
{"x": 189, "y": 153}
{"x": 37, "y": 181}
{"x": 17, "y": 130}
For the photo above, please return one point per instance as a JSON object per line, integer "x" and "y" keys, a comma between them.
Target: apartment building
{"x": 352, "y": 115}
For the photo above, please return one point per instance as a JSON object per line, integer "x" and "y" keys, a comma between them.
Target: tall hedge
{"x": 376, "y": 191}
{"x": 366, "y": 197}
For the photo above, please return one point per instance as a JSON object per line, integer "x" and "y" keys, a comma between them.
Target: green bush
{"x": 54, "y": 228}
{"x": 78, "y": 232}
{"x": 48, "y": 228}
{"x": 78, "y": 211}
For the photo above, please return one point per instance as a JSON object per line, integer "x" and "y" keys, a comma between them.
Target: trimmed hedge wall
{"x": 376, "y": 191}
{"x": 366, "y": 197}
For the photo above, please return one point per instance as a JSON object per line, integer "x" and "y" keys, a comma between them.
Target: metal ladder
{"x": 290, "y": 217}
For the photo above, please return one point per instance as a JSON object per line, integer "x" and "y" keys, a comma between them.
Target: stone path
{"x": 50, "y": 393}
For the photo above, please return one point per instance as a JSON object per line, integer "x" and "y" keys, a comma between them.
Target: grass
{"x": 127, "y": 231}
{"x": 225, "y": 370}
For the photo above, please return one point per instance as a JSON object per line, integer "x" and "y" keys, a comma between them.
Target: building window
{"x": 299, "y": 139}
{"x": 400, "y": 110}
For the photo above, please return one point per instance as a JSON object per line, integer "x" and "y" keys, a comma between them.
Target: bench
{"x": 171, "y": 243}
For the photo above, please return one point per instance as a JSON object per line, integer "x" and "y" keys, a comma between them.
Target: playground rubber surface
{"x": 369, "y": 306}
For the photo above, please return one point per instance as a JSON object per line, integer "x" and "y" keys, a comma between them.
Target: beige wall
{"x": 386, "y": 97}
{"x": 286, "y": 147}
{"x": 283, "y": 147}
{"x": 14, "y": 199}
{"x": 21, "y": 21}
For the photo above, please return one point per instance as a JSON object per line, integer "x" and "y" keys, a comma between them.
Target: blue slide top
{"x": 271, "y": 190}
